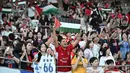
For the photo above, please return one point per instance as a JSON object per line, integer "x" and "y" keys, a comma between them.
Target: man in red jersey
{"x": 64, "y": 52}
{"x": 111, "y": 69}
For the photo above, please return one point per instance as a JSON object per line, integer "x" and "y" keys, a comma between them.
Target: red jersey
{"x": 64, "y": 58}
{"x": 113, "y": 71}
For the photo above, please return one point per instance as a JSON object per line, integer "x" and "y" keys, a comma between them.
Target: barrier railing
{"x": 70, "y": 66}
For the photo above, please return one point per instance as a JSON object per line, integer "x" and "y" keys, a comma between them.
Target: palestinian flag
{"x": 57, "y": 23}
{"x": 104, "y": 9}
{"x": 50, "y": 9}
{"x": 22, "y": 3}
{"x": 6, "y": 10}
{"x": 39, "y": 10}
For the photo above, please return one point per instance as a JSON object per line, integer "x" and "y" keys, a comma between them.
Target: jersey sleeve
{"x": 71, "y": 47}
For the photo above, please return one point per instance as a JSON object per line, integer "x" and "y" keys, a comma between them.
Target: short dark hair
{"x": 93, "y": 59}
{"x": 11, "y": 36}
{"x": 60, "y": 38}
{"x": 110, "y": 61}
{"x": 79, "y": 49}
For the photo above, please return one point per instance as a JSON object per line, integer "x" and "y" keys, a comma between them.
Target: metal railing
{"x": 70, "y": 66}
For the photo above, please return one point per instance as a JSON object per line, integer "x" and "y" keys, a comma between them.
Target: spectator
{"x": 123, "y": 68}
{"x": 9, "y": 54}
{"x": 65, "y": 4}
{"x": 124, "y": 45}
{"x": 20, "y": 53}
{"x": 29, "y": 35}
{"x": 43, "y": 50}
{"x": 96, "y": 47}
{"x": 79, "y": 60}
{"x": 88, "y": 54}
{"x": 39, "y": 37}
{"x": 94, "y": 62}
{"x": 107, "y": 34}
{"x": 114, "y": 43}
{"x": 110, "y": 69}
{"x": 127, "y": 58}
{"x": 31, "y": 11}
{"x": 64, "y": 51}
{"x": 106, "y": 55}
{"x": 30, "y": 56}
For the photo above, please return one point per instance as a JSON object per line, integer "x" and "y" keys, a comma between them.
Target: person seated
{"x": 79, "y": 63}
{"x": 111, "y": 68}
{"x": 94, "y": 62}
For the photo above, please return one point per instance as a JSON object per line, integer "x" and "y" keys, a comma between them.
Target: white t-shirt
{"x": 99, "y": 69}
{"x": 6, "y": 33}
{"x": 103, "y": 59}
{"x": 88, "y": 54}
{"x": 95, "y": 50}
{"x": 34, "y": 23}
{"x": 45, "y": 65}
{"x": 31, "y": 12}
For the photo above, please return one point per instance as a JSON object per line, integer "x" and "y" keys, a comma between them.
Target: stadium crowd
{"x": 26, "y": 35}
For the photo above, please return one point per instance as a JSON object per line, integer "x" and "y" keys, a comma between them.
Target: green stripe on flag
{"x": 49, "y": 7}
{"x": 71, "y": 30}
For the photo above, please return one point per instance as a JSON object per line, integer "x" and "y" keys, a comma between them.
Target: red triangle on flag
{"x": 39, "y": 10}
{"x": 57, "y": 23}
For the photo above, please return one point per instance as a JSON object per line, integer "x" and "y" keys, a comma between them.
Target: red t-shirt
{"x": 64, "y": 58}
{"x": 115, "y": 70}
{"x": 29, "y": 66}
{"x": 88, "y": 12}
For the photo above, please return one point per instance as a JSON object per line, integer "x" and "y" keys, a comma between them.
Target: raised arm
{"x": 77, "y": 39}
{"x": 2, "y": 43}
{"x": 55, "y": 37}
{"x": 74, "y": 65}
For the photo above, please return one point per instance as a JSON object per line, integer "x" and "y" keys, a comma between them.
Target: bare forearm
{"x": 21, "y": 58}
{"x": 84, "y": 64}
{"x": 16, "y": 60}
{"x": 75, "y": 65}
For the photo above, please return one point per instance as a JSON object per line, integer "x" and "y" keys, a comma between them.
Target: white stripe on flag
{"x": 106, "y": 9}
{"x": 6, "y": 10}
{"x": 70, "y": 25}
{"x": 22, "y": 3}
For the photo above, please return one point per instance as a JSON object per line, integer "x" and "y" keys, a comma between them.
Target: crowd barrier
{"x": 10, "y": 70}
{"x": 6, "y": 70}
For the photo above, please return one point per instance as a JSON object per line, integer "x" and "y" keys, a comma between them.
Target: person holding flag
{"x": 64, "y": 50}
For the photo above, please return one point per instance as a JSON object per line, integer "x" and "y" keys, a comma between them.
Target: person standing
{"x": 66, "y": 4}
{"x": 64, "y": 52}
